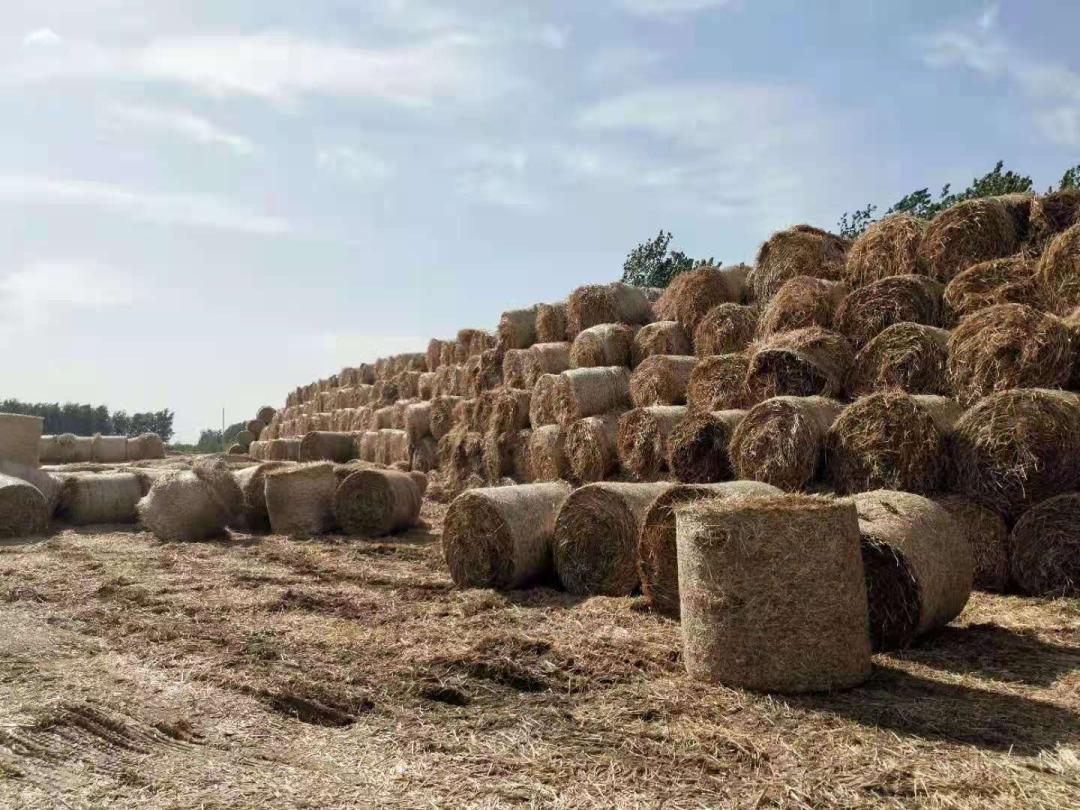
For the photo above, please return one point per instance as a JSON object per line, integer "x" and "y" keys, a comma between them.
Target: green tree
{"x": 654, "y": 264}
{"x": 212, "y": 441}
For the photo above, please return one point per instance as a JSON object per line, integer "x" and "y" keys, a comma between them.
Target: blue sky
{"x": 205, "y": 204}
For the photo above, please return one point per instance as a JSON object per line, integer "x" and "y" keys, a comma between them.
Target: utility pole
{"x": 222, "y": 430}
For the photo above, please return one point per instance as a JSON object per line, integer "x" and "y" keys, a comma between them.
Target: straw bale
{"x": 300, "y": 499}
{"x": 1045, "y": 548}
{"x": 699, "y": 446}
{"x": 659, "y": 337}
{"x": 802, "y": 301}
{"x": 718, "y": 383}
{"x": 374, "y": 503}
{"x": 799, "y": 251}
{"x": 23, "y": 509}
{"x": 661, "y": 380}
{"x": 581, "y": 392}
{"x": 606, "y": 303}
{"x": 725, "y": 329}
{"x": 591, "y": 447}
{"x": 970, "y": 232}
{"x": 644, "y": 439}
{"x": 868, "y": 310}
{"x": 907, "y": 356}
{"x": 804, "y": 362}
{"x": 546, "y": 358}
{"x": 606, "y": 344}
{"x": 547, "y": 453}
{"x": 889, "y": 247}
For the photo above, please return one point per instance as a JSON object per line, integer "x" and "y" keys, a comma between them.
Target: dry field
{"x": 261, "y": 672}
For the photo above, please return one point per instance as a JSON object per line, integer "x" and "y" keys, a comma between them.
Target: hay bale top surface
{"x": 970, "y": 232}
{"x": 908, "y": 356}
{"x": 1013, "y": 280}
{"x": 889, "y": 247}
{"x": 799, "y": 251}
{"x": 1059, "y": 269}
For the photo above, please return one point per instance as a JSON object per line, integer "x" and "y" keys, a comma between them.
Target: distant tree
{"x": 86, "y": 420}
{"x": 212, "y": 441}
{"x": 1071, "y": 179}
{"x": 653, "y": 264}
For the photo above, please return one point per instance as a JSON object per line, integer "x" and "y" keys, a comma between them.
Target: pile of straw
{"x": 907, "y": 356}
{"x": 1045, "y": 545}
{"x": 896, "y": 299}
{"x": 660, "y": 337}
{"x": 698, "y": 445}
{"x": 643, "y": 440}
{"x": 970, "y": 232}
{"x": 661, "y": 380}
{"x": 801, "y": 363}
{"x": 591, "y": 447}
{"x": 606, "y": 344}
{"x": 799, "y": 251}
{"x": 725, "y": 329}
{"x": 889, "y": 247}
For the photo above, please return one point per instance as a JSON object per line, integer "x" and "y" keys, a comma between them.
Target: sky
{"x": 206, "y": 204}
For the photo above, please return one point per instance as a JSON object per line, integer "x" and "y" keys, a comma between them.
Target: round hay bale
{"x": 461, "y": 452}
{"x": 643, "y": 441}
{"x": 471, "y": 342}
{"x": 699, "y": 446}
{"x": 892, "y": 440}
{"x": 517, "y": 329}
{"x": 801, "y": 302}
{"x": 970, "y": 232}
{"x": 113, "y": 449}
{"x": 441, "y": 418}
{"x": 243, "y": 438}
{"x": 595, "y": 544}
{"x": 658, "y": 566}
{"x": 906, "y": 356}
{"x": 718, "y": 383}
{"x": 1050, "y": 215}
{"x": 581, "y": 392}
{"x": 799, "y": 251}
{"x": 498, "y": 455}
{"x": 514, "y": 368}
{"x": 1045, "y": 546}
{"x": 551, "y": 323}
{"x": 546, "y": 358}
{"x": 501, "y": 537}
{"x": 1014, "y": 280}
{"x": 988, "y": 537}
{"x": 692, "y": 293}
{"x": 283, "y": 450}
{"x": 434, "y": 354}
{"x": 320, "y": 445}
{"x": 425, "y": 455}
{"x": 426, "y": 386}
{"x": 771, "y": 593}
{"x": 265, "y": 414}
{"x": 448, "y": 352}
{"x": 805, "y": 362}
{"x": 782, "y": 441}
{"x": 384, "y": 417}
{"x": 58, "y": 449}
{"x": 591, "y": 447}
{"x": 725, "y": 329}
{"x": 661, "y": 380}
{"x": 521, "y": 458}
{"x": 192, "y": 505}
{"x": 237, "y": 450}
{"x": 606, "y": 344}
{"x": 660, "y": 337}
{"x": 20, "y": 440}
{"x": 868, "y": 310}
{"x": 408, "y": 384}
{"x": 374, "y": 503}
{"x": 253, "y": 515}
{"x": 48, "y": 484}
{"x": 1059, "y": 270}
{"x": 392, "y": 448}
{"x": 547, "y": 453}
{"x": 255, "y": 427}
{"x": 418, "y": 421}
{"x": 300, "y": 499}
{"x": 1008, "y": 346}
{"x": 889, "y": 247}
{"x": 23, "y": 509}
{"x": 918, "y": 564}
{"x": 606, "y": 303}
{"x": 483, "y": 372}
{"x": 509, "y": 410}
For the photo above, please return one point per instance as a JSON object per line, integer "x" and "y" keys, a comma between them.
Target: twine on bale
{"x": 546, "y": 358}
{"x": 799, "y": 251}
{"x": 805, "y": 362}
{"x": 606, "y": 344}
{"x": 657, "y": 564}
{"x": 643, "y": 440}
{"x": 988, "y": 537}
{"x": 661, "y": 380}
{"x": 970, "y": 232}
{"x": 718, "y": 383}
{"x": 660, "y": 337}
{"x": 725, "y": 329}
{"x": 23, "y": 508}
{"x": 771, "y": 593}
{"x": 1014, "y": 280}
{"x": 374, "y": 503}
{"x": 551, "y": 323}
{"x": 699, "y": 446}
{"x": 300, "y": 499}
{"x": 692, "y": 293}
{"x": 1045, "y": 546}
{"x": 591, "y": 447}
{"x": 801, "y": 302}
{"x": 918, "y": 565}
{"x": 868, "y": 310}
{"x": 547, "y": 453}
{"x": 596, "y": 536}
{"x": 907, "y": 356}
{"x": 581, "y": 392}
{"x": 606, "y": 303}
{"x": 889, "y": 247}
{"x": 501, "y": 537}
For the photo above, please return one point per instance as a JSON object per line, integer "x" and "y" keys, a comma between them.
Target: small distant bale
{"x": 725, "y": 329}
{"x": 509, "y": 410}
{"x": 661, "y": 380}
{"x": 606, "y": 344}
{"x": 910, "y": 357}
{"x": 265, "y": 414}
{"x": 771, "y": 593}
{"x": 23, "y": 509}
{"x": 374, "y": 503}
{"x": 658, "y": 565}
{"x": 805, "y": 362}
{"x": 441, "y": 418}
{"x": 892, "y": 440}
{"x": 643, "y": 440}
{"x": 434, "y": 354}
{"x": 799, "y": 251}
{"x": 801, "y": 302}
{"x": 547, "y": 453}
{"x": 546, "y": 358}
{"x": 113, "y": 449}
{"x": 255, "y": 427}
{"x": 718, "y": 383}
{"x": 447, "y": 354}
{"x": 20, "y": 438}
{"x": 889, "y": 247}
{"x": 1014, "y": 280}
{"x": 551, "y": 323}
{"x": 502, "y": 537}
{"x": 699, "y": 446}
{"x": 514, "y": 368}
{"x": 146, "y": 446}
{"x": 918, "y": 564}
{"x": 192, "y": 505}
{"x": 253, "y": 514}
{"x": 1059, "y": 270}
{"x": 1045, "y": 545}
{"x": 320, "y": 445}
{"x": 988, "y": 537}
{"x": 970, "y": 232}
{"x": 244, "y": 438}
{"x": 868, "y": 310}
{"x": 300, "y": 499}
{"x": 517, "y": 329}
{"x": 384, "y": 417}
{"x": 660, "y": 337}
{"x": 606, "y": 303}
{"x": 591, "y": 447}
{"x": 596, "y": 537}
{"x": 1008, "y": 346}
{"x": 418, "y": 421}
{"x": 581, "y": 392}
{"x": 93, "y": 498}
{"x": 692, "y": 293}
{"x": 782, "y": 441}
{"x": 283, "y": 450}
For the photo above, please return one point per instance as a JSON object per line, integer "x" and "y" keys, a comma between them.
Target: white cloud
{"x": 354, "y": 164}
{"x": 670, "y": 8}
{"x": 181, "y": 123}
{"x": 44, "y": 291}
{"x": 1060, "y": 125}
{"x": 497, "y": 175}
{"x": 620, "y": 63}
{"x": 197, "y": 210}
{"x": 42, "y": 37}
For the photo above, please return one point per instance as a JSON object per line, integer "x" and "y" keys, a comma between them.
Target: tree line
{"x": 86, "y": 420}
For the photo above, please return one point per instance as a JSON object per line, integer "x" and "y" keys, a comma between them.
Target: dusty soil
{"x": 265, "y": 672}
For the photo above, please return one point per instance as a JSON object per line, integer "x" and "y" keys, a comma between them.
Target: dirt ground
{"x": 265, "y": 672}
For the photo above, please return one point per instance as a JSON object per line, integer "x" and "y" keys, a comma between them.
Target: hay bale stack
{"x": 546, "y": 358}
{"x": 1059, "y": 270}
{"x": 92, "y": 498}
{"x": 1008, "y": 346}
{"x": 300, "y": 499}
{"x": 644, "y": 438}
{"x": 441, "y": 418}
{"x": 113, "y": 449}
{"x": 283, "y": 450}
{"x": 502, "y": 537}
{"x": 509, "y": 410}
{"x": 392, "y": 447}
{"x": 513, "y": 370}
{"x": 418, "y": 421}
{"x": 517, "y": 329}
{"x": 692, "y": 293}
{"x": 595, "y": 544}
{"x": 253, "y": 514}
{"x": 799, "y": 251}
{"x": 449, "y": 380}
{"x": 606, "y": 303}
{"x": 988, "y": 537}
{"x": 801, "y": 302}
{"x": 658, "y": 566}
{"x": 1014, "y": 280}
{"x": 725, "y": 329}
{"x": 23, "y": 508}
{"x": 782, "y": 441}
{"x": 889, "y": 247}
{"x": 660, "y": 337}
{"x": 192, "y": 505}
{"x": 551, "y": 323}
{"x": 661, "y": 380}
{"x": 699, "y": 446}
{"x": 20, "y": 439}
{"x": 718, "y": 383}
{"x": 483, "y": 372}
{"x": 918, "y": 565}
{"x": 771, "y": 593}
{"x": 906, "y": 356}
{"x": 591, "y": 447}
{"x": 868, "y": 310}
{"x": 892, "y": 440}
{"x": 408, "y": 384}
{"x": 1045, "y": 548}
{"x": 384, "y": 417}
{"x": 606, "y": 344}
{"x": 581, "y": 392}
{"x": 374, "y": 503}
{"x": 321, "y": 445}
{"x": 547, "y": 453}
{"x": 1050, "y": 215}
{"x": 805, "y": 362}
{"x": 970, "y": 232}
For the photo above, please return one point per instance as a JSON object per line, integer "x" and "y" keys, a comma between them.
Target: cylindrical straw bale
{"x": 606, "y": 303}
{"x": 970, "y": 232}
{"x": 426, "y": 385}
{"x": 606, "y": 344}
{"x": 265, "y": 413}
{"x": 434, "y": 354}
{"x": 661, "y": 380}
{"x": 373, "y": 503}
{"x": 521, "y": 458}
{"x": 253, "y": 515}
{"x": 367, "y": 446}
{"x": 581, "y": 392}
{"x": 509, "y": 410}
{"x": 1045, "y": 546}
{"x": 591, "y": 447}
{"x": 189, "y": 505}
{"x": 542, "y": 402}
{"x": 1013, "y": 280}
{"x": 988, "y": 537}
{"x": 418, "y": 421}
{"x": 425, "y": 455}
{"x": 20, "y": 439}
{"x": 498, "y": 455}
{"x": 596, "y": 537}
{"x": 384, "y": 417}
{"x": 799, "y": 251}
{"x": 889, "y": 247}
{"x": 255, "y": 427}
{"x": 725, "y": 329}
{"x": 448, "y": 353}
{"x": 514, "y": 368}
{"x": 517, "y": 329}
{"x": 320, "y": 445}
{"x": 283, "y": 450}
{"x": 300, "y": 499}
{"x": 906, "y": 356}
{"x": 644, "y": 438}
{"x": 546, "y": 358}
{"x": 718, "y": 383}
{"x": 441, "y": 419}
{"x": 24, "y": 510}
{"x": 699, "y": 446}
{"x": 547, "y": 453}
{"x": 660, "y": 337}
{"x": 483, "y": 372}
{"x": 551, "y": 324}
{"x": 693, "y": 293}
{"x": 113, "y": 449}
{"x": 1059, "y": 269}
{"x": 801, "y": 363}
{"x": 868, "y": 310}
{"x": 802, "y": 301}
{"x": 393, "y": 447}
{"x": 92, "y": 498}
